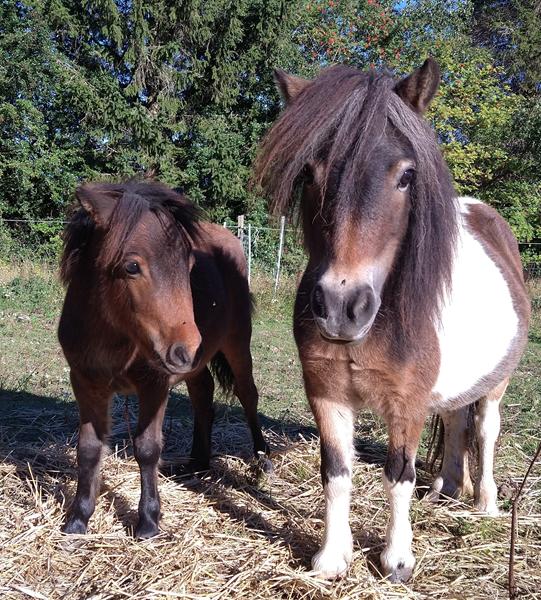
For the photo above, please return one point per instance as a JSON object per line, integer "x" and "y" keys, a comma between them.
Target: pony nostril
{"x": 318, "y": 302}
{"x": 360, "y": 305}
{"x": 178, "y": 355}
{"x": 350, "y": 310}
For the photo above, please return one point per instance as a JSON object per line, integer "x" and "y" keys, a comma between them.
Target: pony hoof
{"x": 74, "y": 526}
{"x": 486, "y": 500}
{"x": 400, "y": 575}
{"x": 264, "y": 463}
{"x": 146, "y": 530}
{"x": 489, "y": 509}
{"x": 331, "y": 564}
{"x": 259, "y": 470}
{"x": 447, "y": 488}
{"x": 397, "y": 569}
{"x": 432, "y": 496}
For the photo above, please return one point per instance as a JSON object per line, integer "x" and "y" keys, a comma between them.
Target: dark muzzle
{"x": 344, "y": 314}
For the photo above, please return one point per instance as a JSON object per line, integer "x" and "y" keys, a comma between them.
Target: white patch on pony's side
{"x": 465, "y": 200}
{"x": 397, "y": 559}
{"x": 478, "y": 321}
{"x": 335, "y": 554}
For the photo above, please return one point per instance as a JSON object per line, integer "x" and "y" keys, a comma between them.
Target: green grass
{"x": 32, "y": 365}
{"x": 39, "y": 415}
{"x": 522, "y": 402}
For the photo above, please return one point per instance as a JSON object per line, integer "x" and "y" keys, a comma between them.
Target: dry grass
{"x": 230, "y": 534}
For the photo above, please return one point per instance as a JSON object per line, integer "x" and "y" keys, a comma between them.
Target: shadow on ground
{"x": 30, "y": 421}
{"x": 38, "y": 435}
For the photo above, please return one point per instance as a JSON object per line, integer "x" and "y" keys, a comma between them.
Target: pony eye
{"x": 132, "y": 268}
{"x": 308, "y": 175}
{"x": 405, "y": 180}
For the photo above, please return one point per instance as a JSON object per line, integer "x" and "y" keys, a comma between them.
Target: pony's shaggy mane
{"x": 132, "y": 199}
{"x": 340, "y": 118}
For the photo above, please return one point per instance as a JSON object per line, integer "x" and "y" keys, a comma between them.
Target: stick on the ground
{"x": 513, "y": 592}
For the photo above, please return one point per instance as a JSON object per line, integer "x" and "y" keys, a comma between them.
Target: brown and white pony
{"x": 413, "y": 300}
{"x": 154, "y": 297}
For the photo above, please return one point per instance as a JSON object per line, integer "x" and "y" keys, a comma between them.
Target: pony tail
{"x": 436, "y": 446}
{"x": 434, "y": 452}
{"x": 221, "y": 370}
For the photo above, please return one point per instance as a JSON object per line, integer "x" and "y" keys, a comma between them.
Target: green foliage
{"x": 123, "y": 89}
{"x": 182, "y": 90}
{"x": 39, "y": 165}
{"x": 490, "y": 135}
{"x": 6, "y": 241}
{"x": 510, "y": 30}
{"x": 30, "y": 294}
{"x": 347, "y": 31}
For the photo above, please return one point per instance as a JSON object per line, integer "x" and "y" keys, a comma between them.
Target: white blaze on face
{"x": 478, "y": 320}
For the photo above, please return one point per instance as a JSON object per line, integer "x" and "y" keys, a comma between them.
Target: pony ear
{"x": 421, "y": 86}
{"x": 97, "y": 202}
{"x": 289, "y": 86}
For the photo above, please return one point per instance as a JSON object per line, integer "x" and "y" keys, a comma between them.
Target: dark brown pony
{"x": 153, "y": 298}
{"x": 412, "y": 302}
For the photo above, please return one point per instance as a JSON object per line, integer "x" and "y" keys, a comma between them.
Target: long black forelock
{"x": 344, "y": 115}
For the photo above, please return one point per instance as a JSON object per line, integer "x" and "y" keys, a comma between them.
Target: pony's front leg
{"x": 397, "y": 559}
{"x": 147, "y": 450}
{"x": 335, "y": 423}
{"x": 93, "y": 401}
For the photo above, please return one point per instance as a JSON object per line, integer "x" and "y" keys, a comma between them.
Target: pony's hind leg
{"x": 454, "y": 477}
{"x": 239, "y": 359}
{"x": 201, "y": 391}
{"x": 93, "y": 404}
{"x": 147, "y": 449}
{"x": 487, "y": 425}
{"x": 397, "y": 559}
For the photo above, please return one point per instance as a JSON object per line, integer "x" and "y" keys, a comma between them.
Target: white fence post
{"x": 280, "y": 249}
{"x": 240, "y": 229}
{"x": 249, "y": 253}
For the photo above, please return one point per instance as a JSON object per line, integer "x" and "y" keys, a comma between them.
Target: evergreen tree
{"x": 182, "y": 90}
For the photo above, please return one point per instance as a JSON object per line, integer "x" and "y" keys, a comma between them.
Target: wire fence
{"x": 274, "y": 251}
{"x": 279, "y": 250}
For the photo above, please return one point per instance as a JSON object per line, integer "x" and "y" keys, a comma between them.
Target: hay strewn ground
{"x": 229, "y": 535}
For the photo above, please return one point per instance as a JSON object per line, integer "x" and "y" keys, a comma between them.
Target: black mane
{"x": 341, "y": 116}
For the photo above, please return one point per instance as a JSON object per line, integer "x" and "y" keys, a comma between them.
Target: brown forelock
{"x": 339, "y": 120}
{"x": 134, "y": 198}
